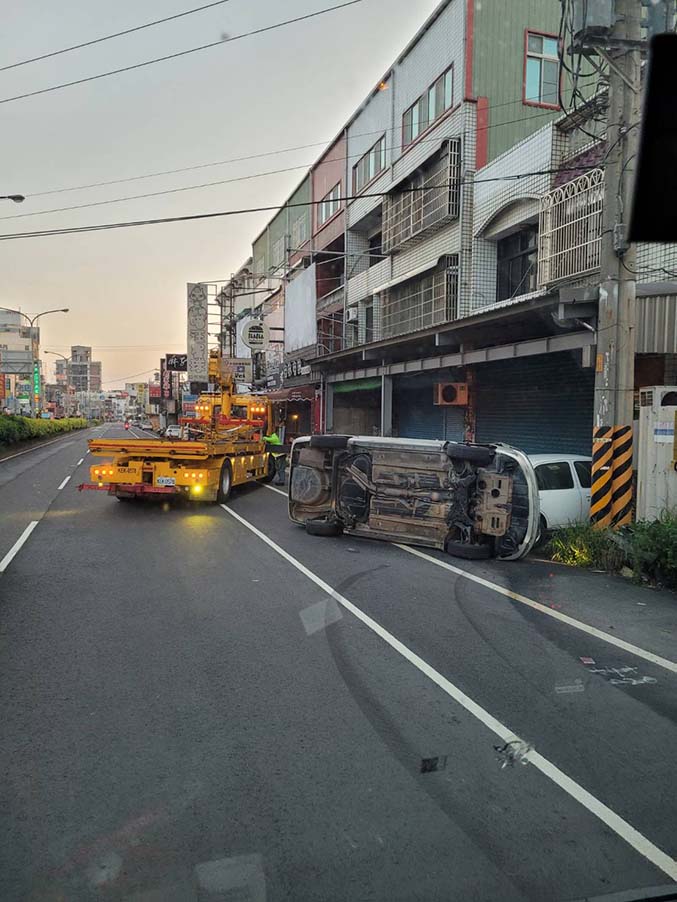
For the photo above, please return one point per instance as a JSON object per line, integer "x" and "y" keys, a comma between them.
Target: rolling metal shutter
{"x": 415, "y": 415}
{"x": 539, "y": 404}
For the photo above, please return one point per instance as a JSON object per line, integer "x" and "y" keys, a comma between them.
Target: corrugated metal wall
{"x": 539, "y": 404}
{"x": 415, "y": 415}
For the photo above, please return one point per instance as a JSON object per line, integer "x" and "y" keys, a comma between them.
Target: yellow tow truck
{"x": 224, "y": 447}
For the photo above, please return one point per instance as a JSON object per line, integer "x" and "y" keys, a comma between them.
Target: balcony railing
{"x": 570, "y": 229}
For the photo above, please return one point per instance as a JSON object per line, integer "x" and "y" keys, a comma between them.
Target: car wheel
{"x": 323, "y": 528}
{"x": 468, "y": 552}
{"x": 474, "y": 455}
{"x": 329, "y": 442}
{"x": 225, "y": 483}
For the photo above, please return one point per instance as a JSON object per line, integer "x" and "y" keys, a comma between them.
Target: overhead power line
{"x": 235, "y": 179}
{"x": 171, "y": 56}
{"x": 117, "y": 34}
{"x": 257, "y": 156}
{"x": 77, "y": 230}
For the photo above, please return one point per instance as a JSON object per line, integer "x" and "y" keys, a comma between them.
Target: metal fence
{"x": 570, "y": 229}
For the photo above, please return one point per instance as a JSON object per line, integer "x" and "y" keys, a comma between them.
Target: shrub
{"x": 581, "y": 545}
{"x": 18, "y": 429}
{"x": 648, "y": 548}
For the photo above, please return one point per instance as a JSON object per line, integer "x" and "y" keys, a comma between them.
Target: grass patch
{"x": 649, "y": 549}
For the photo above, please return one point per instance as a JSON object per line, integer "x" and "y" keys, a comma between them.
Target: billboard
{"x": 241, "y": 369}
{"x": 300, "y": 327}
{"x": 165, "y": 381}
{"x": 154, "y": 392}
{"x": 177, "y": 363}
{"x": 198, "y": 341}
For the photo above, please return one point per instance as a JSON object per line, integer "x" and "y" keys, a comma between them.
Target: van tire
{"x": 473, "y": 454}
{"x": 225, "y": 483}
{"x": 329, "y": 442}
{"x": 468, "y": 552}
{"x": 323, "y": 528}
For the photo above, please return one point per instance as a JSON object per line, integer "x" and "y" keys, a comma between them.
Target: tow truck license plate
{"x": 166, "y": 480}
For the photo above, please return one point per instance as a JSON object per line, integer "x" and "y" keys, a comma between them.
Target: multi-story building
{"x": 80, "y": 371}
{"x": 17, "y": 345}
{"x": 455, "y": 219}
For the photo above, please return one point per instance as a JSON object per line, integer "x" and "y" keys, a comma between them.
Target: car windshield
{"x": 338, "y": 451}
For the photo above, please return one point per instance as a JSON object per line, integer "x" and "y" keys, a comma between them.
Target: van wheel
{"x": 323, "y": 528}
{"x": 329, "y": 442}
{"x": 225, "y": 483}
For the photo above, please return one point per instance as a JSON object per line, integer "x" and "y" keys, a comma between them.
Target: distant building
{"x": 80, "y": 371}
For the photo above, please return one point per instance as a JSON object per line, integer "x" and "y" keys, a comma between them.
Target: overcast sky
{"x": 293, "y": 86}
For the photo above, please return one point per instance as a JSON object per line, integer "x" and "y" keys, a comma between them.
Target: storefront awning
{"x": 357, "y": 385}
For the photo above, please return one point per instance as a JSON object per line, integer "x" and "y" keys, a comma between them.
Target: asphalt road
{"x": 207, "y": 704}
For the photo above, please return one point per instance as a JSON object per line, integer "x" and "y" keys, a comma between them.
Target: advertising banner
{"x": 177, "y": 363}
{"x": 240, "y": 369}
{"x": 165, "y": 381}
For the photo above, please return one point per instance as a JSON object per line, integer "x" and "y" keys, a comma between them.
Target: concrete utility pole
{"x": 611, "y": 503}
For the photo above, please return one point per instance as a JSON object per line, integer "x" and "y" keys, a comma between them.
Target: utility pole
{"x": 612, "y": 502}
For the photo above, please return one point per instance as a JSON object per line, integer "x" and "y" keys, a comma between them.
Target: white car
{"x": 173, "y": 432}
{"x": 564, "y": 489}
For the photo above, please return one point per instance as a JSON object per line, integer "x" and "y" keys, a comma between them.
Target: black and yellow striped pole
{"x": 621, "y": 497}
{"x": 611, "y": 502}
{"x": 602, "y": 473}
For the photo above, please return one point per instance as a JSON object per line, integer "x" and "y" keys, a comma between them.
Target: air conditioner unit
{"x": 352, "y": 315}
{"x": 450, "y": 394}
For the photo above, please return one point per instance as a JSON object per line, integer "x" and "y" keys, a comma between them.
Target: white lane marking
{"x": 273, "y": 489}
{"x": 9, "y": 557}
{"x": 64, "y": 483}
{"x": 609, "y": 817}
{"x": 79, "y": 462}
{"x": 556, "y": 615}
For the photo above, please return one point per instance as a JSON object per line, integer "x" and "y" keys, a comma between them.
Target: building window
{"x": 428, "y": 108}
{"x": 329, "y": 205}
{"x": 371, "y": 165}
{"x": 278, "y": 253}
{"x": 375, "y": 249}
{"x": 541, "y": 71}
{"x": 299, "y": 231}
{"x": 426, "y": 200}
{"x": 517, "y": 264}
{"x": 422, "y": 302}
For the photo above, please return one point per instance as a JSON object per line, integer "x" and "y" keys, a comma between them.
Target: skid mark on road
{"x": 606, "y": 815}
{"x": 550, "y": 612}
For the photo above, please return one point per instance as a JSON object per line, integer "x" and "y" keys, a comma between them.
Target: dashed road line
{"x": 16, "y": 547}
{"x": 273, "y": 489}
{"x": 581, "y": 795}
{"x": 64, "y": 483}
{"x": 79, "y": 462}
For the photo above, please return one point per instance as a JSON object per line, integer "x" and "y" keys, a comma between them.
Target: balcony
{"x": 329, "y": 301}
{"x": 570, "y": 229}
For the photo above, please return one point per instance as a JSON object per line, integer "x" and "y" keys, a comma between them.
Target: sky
{"x": 126, "y": 289}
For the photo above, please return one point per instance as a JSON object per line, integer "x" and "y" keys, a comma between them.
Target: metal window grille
{"x": 421, "y": 303}
{"x": 570, "y": 229}
{"x": 425, "y": 201}
{"x": 300, "y": 230}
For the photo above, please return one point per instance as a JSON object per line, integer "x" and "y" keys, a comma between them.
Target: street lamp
{"x": 17, "y": 198}
{"x": 36, "y": 362}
